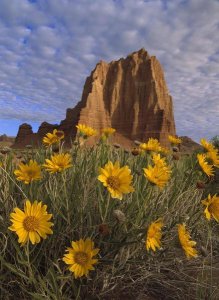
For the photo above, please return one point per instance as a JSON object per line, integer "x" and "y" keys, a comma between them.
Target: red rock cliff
{"x": 129, "y": 95}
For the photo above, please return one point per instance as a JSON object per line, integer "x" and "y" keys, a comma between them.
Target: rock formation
{"x": 5, "y": 138}
{"x": 129, "y": 95}
{"x": 188, "y": 145}
{"x": 24, "y": 135}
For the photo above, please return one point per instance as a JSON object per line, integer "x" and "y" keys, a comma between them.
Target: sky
{"x": 49, "y": 47}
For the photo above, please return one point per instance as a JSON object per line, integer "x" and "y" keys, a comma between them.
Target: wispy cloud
{"x": 47, "y": 48}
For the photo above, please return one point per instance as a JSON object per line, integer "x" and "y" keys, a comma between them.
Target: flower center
{"x": 213, "y": 208}
{"x": 60, "y": 134}
{"x": 31, "y": 223}
{"x": 113, "y": 182}
{"x": 81, "y": 258}
{"x": 31, "y": 173}
{"x": 61, "y": 164}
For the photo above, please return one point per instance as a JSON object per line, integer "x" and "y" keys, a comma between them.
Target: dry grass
{"x": 125, "y": 270}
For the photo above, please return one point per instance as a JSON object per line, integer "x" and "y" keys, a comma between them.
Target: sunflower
{"x": 58, "y": 163}
{"x": 151, "y": 145}
{"x": 28, "y": 172}
{"x": 154, "y": 235}
{"x": 158, "y": 160}
{"x": 53, "y": 138}
{"x": 86, "y": 131}
{"x": 174, "y": 140}
{"x": 208, "y": 146}
{"x": 158, "y": 174}
{"x": 212, "y": 207}
{"x": 208, "y": 169}
{"x": 108, "y": 131}
{"x": 186, "y": 242}
{"x": 80, "y": 257}
{"x": 164, "y": 150}
{"x": 32, "y": 223}
{"x": 213, "y": 155}
{"x": 117, "y": 180}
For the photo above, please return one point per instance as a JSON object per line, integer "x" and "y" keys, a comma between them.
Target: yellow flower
{"x": 164, "y": 150}
{"x": 151, "y": 145}
{"x": 212, "y": 207}
{"x": 158, "y": 174}
{"x": 158, "y": 160}
{"x": 32, "y": 223}
{"x": 186, "y": 242}
{"x": 208, "y": 169}
{"x": 53, "y": 138}
{"x": 117, "y": 180}
{"x": 174, "y": 140}
{"x": 86, "y": 131}
{"x": 213, "y": 155}
{"x": 28, "y": 172}
{"x": 208, "y": 146}
{"x": 154, "y": 235}
{"x": 58, "y": 163}
{"x": 108, "y": 131}
{"x": 80, "y": 257}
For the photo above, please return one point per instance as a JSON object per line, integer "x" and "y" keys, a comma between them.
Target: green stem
{"x": 107, "y": 208}
{"x": 66, "y": 197}
{"x": 27, "y": 252}
{"x": 14, "y": 182}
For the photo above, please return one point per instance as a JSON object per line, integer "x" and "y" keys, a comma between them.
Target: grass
{"x": 80, "y": 204}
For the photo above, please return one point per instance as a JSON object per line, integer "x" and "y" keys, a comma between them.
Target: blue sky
{"x": 49, "y": 47}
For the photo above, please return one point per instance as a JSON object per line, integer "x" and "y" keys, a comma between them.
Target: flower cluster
{"x": 152, "y": 145}
{"x": 159, "y": 173}
{"x": 208, "y": 160}
{"x": 174, "y": 140}
{"x": 206, "y": 168}
{"x": 86, "y": 131}
{"x": 154, "y": 234}
{"x": 33, "y": 223}
{"x": 53, "y": 138}
{"x": 212, "y": 154}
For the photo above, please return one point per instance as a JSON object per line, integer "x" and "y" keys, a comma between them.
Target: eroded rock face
{"x": 129, "y": 95}
{"x": 24, "y": 132}
{"x": 45, "y": 128}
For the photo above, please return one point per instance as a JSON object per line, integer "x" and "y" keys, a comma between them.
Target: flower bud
{"x": 119, "y": 215}
{"x": 116, "y": 145}
{"x": 137, "y": 143}
{"x": 175, "y": 149}
{"x": 200, "y": 185}
{"x": 135, "y": 151}
{"x": 103, "y": 229}
{"x": 175, "y": 156}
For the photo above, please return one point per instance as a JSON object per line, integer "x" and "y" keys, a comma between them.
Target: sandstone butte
{"x": 129, "y": 95}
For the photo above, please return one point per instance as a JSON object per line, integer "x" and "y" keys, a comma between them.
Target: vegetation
{"x": 215, "y": 141}
{"x": 132, "y": 236}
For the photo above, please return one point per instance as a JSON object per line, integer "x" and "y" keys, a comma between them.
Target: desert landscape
{"x": 117, "y": 201}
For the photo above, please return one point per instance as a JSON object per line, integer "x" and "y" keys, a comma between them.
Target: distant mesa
{"x": 188, "y": 145}
{"x": 5, "y": 138}
{"x": 129, "y": 95}
{"x": 6, "y": 141}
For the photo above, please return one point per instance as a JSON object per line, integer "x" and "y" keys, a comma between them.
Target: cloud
{"x": 48, "y": 48}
